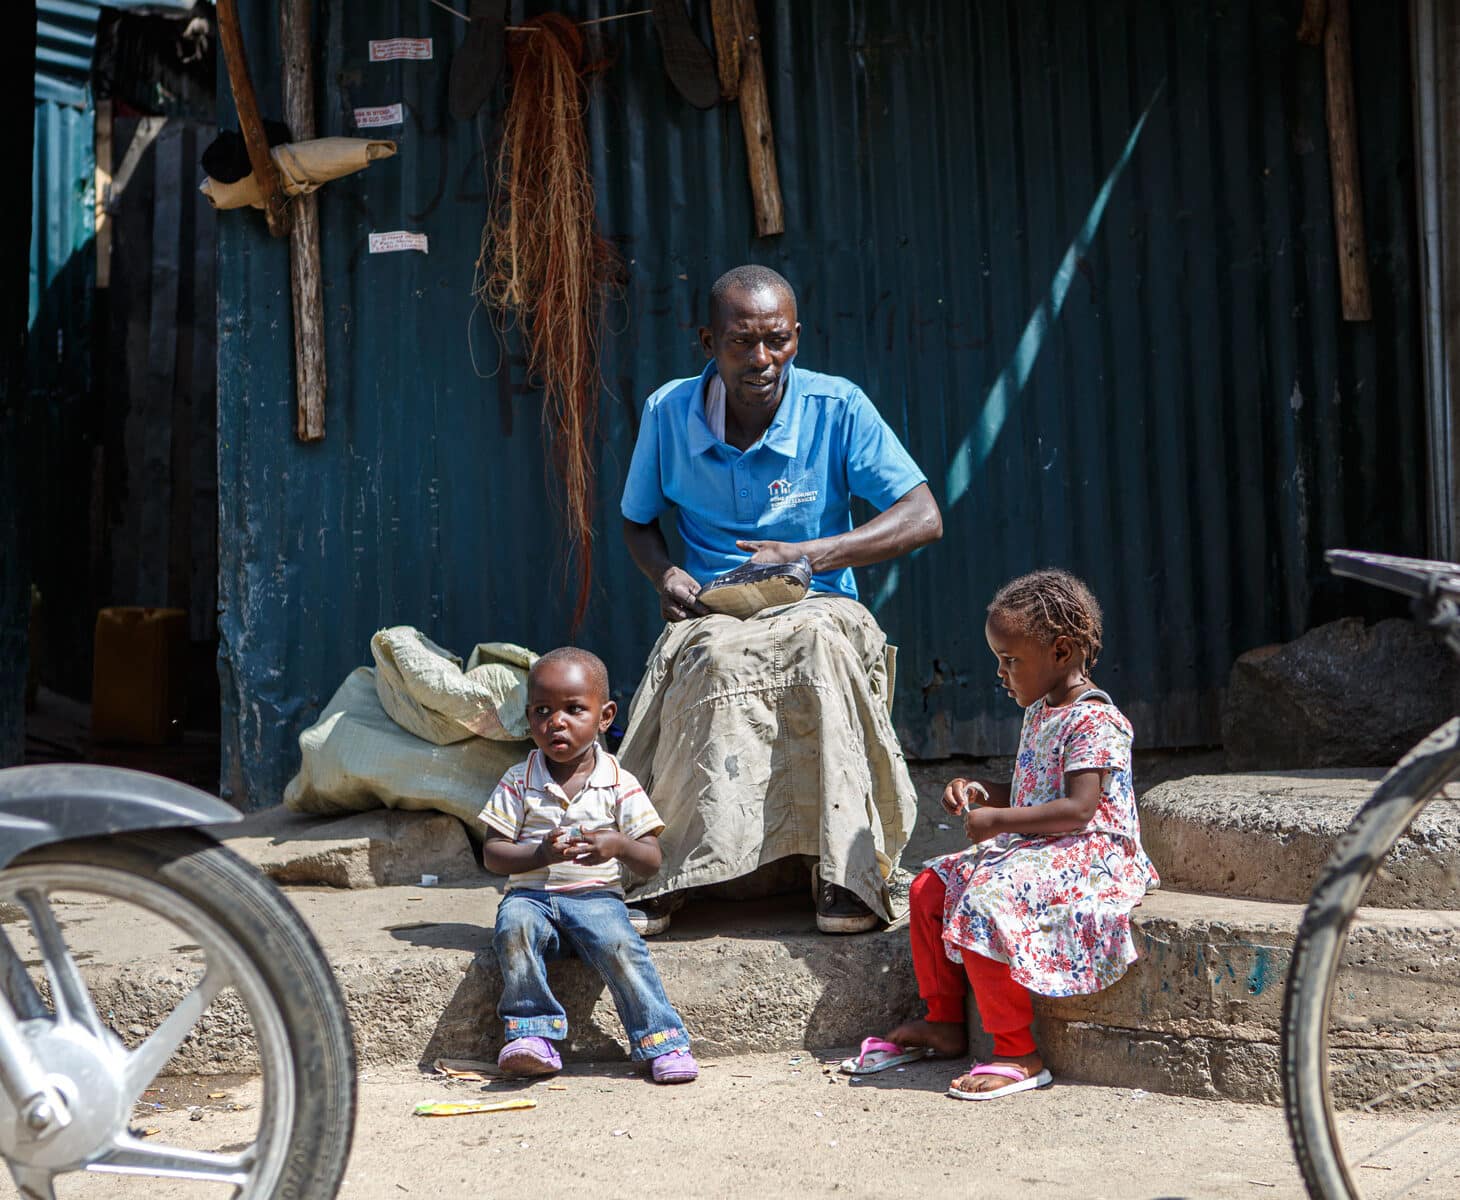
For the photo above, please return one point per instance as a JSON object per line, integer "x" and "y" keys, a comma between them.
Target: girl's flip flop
{"x": 1022, "y": 1082}
{"x": 878, "y": 1054}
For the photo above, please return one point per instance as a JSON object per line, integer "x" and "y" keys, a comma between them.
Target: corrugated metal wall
{"x": 59, "y": 417}
{"x": 59, "y": 424}
{"x": 15, "y": 144}
{"x": 1112, "y": 343}
{"x": 121, "y": 377}
{"x": 62, "y": 267}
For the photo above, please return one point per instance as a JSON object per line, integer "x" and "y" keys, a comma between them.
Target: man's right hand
{"x": 679, "y": 596}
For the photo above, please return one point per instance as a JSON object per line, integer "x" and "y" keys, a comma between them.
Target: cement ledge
{"x": 1268, "y": 835}
{"x": 1198, "y": 1015}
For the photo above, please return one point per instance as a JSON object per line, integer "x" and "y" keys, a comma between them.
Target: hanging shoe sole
{"x": 475, "y": 67}
{"x": 687, "y": 60}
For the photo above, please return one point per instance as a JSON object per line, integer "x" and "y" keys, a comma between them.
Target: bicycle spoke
{"x": 144, "y": 1063}
{"x": 1413, "y": 1085}
{"x": 33, "y": 1183}
{"x": 69, "y": 992}
{"x": 16, "y": 982}
{"x": 1432, "y": 1170}
{"x": 128, "y": 1156}
{"x": 1395, "y": 1142}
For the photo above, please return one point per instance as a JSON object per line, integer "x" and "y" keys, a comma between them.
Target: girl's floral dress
{"x": 1057, "y": 908}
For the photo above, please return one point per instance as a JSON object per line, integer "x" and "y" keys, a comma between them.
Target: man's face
{"x": 752, "y": 337}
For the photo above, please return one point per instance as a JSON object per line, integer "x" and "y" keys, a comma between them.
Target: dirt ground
{"x": 777, "y": 1125}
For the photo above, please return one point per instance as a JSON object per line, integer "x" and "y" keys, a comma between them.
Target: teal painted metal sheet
{"x": 62, "y": 264}
{"x": 60, "y": 421}
{"x": 15, "y": 143}
{"x": 58, "y": 417}
{"x": 1080, "y": 254}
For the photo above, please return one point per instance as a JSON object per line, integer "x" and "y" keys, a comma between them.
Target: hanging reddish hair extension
{"x": 544, "y": 264}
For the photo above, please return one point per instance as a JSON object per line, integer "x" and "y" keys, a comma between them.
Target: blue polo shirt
{"x": 826, "y": 444}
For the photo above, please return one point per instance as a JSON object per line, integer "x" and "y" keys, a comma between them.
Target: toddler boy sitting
{"x": 560, "y": 824}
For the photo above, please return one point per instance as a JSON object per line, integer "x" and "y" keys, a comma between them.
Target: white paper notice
{"x": 382, "y": 51}
{"x": 400, "y": 239}
{"x": 369, "y": 118}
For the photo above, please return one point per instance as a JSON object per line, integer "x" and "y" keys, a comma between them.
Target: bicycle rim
{"x": 1371, "y": 1060}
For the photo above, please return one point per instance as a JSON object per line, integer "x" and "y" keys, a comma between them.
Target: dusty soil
{"x": 777, "y": 1125}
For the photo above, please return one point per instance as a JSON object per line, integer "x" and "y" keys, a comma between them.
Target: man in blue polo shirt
{"x": 770, "y": 737}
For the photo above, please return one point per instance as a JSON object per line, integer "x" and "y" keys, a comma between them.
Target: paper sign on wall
{"x": 383, "y": 51}
{"x": 399, "y": 239}
{"x": 368, "y": 118}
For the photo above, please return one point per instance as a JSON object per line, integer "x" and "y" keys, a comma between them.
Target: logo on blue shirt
{"x": 782, "y": 495}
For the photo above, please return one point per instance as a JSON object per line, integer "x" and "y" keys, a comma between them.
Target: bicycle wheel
{"x": 1371, "y": 1012}
{"x": 246, "y": 975}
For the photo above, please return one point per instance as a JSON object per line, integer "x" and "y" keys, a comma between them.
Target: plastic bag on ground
{"x": 355, "y": 758}
{"x": 424, "y": 689}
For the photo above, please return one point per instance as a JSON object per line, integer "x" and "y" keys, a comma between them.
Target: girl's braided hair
{"x": 1052, "y": 603}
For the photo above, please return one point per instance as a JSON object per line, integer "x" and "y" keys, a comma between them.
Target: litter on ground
{"x": 460, "y": 1068}
{"x": 454, "y": 1108}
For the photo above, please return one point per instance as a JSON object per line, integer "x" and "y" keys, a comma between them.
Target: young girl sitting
{"x": 1042, "y": 901}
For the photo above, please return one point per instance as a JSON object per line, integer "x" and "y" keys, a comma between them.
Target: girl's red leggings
{"x": 1004, "y": 1006}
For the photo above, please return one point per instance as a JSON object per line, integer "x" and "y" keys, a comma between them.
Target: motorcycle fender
{"x": 57, "y": 802}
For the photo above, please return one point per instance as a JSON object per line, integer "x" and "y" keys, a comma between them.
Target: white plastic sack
{"x": 355, "y": 758}
{"x": 423, "y": 687}
{"x": 303, "y": 167}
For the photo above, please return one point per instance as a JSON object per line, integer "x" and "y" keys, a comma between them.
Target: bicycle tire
{"x": 279, "y": 946}
{"x": 1318, "y": 950}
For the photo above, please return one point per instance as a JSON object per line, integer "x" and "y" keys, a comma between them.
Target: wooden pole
{"x": 1343, "y": 158}
{"x": 725, "y": 18}
{"x": 304, "y": 268}
{"x": 1311, "y": 24}
{"x": 741, "y": 34}
{"x": 103, "y": 222}
{"x": 250, "y": 124}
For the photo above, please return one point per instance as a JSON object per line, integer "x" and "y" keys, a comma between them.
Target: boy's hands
{"x": 963, "y": 794}
{"x": 558, "y": 847}
{"x": 595, "y": 846}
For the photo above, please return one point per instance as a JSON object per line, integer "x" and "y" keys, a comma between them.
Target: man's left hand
{"x": 773, "y": 552}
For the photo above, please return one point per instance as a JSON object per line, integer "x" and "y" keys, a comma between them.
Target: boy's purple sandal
{"x": 529, "y": 1056}
{"x": 1022, "y": 1082}
{"x": 678, "y": 1066}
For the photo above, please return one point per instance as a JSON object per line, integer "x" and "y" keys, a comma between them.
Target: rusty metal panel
{"x": 1080, "y": 255}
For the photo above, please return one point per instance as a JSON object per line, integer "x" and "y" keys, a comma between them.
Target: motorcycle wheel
{"x": 248, "y": 947}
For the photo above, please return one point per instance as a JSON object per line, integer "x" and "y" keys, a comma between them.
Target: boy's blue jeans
{"x": 536, "y": 927}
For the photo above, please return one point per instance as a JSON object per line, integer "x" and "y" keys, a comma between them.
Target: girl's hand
{"x": 980, "y": 824}
{"x": 962, "y": 794}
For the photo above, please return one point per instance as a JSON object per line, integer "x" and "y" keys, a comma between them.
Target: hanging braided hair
{"x": 544, "y": 263}
{"x": 1052, "y": 603}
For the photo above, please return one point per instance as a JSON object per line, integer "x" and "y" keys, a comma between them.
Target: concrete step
{"x": 1196, "y": 1016}
{"x": 1267, "y": 836}
{"x": 1199, "y": 1014}
{"x": 379, "y": 848}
